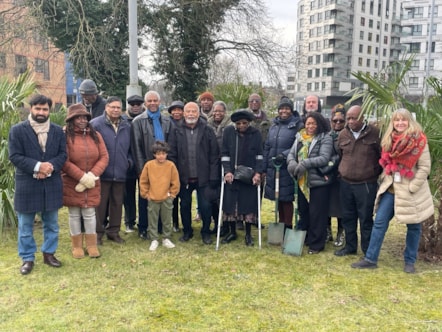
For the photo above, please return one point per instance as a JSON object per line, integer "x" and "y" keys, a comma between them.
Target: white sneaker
{"x": 168, "y": 244}
{"x": 154, "y": 245}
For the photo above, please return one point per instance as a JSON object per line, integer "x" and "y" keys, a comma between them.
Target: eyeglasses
{"x": 338, "y": 121}
{"x": 135, "y": 104}
{"x": 254, "y": 101}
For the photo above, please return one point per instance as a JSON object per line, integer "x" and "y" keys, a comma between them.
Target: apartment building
{"x": 422, "y": 35}
{"x": 24, "y": 47}
{"x": 338, "y": 37}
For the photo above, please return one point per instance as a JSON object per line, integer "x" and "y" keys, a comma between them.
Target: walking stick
{"x": 220, "y": 212}
{"x": 259, "y": 214}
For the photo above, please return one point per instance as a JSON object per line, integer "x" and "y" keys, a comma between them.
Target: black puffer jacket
{"x": 320, "y": 152}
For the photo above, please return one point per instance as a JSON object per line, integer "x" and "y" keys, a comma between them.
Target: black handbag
{"x": 242, "y": 173}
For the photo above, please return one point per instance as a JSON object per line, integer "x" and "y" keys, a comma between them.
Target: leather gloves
{"x": 300, "y": 170}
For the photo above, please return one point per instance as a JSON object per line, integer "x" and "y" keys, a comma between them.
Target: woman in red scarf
{"x": 404, "y": 191}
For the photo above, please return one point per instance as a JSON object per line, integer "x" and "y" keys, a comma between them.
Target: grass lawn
{"x": 195, "y": 288}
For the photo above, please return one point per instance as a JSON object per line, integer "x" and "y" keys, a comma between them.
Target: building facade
{"x": 23, "y": 47}
{"x": 338, "y": 37}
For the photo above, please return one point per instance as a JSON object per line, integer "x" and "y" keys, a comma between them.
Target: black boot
{"x": 249, "y": 239}
{"x": 329, "y": 234}
{"x": 232, "y": 234}
{"x": 225, "y": 228}
{"x": 340, "y": 236}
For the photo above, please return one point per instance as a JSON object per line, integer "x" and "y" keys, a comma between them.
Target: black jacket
{"x": 208, "y": 153}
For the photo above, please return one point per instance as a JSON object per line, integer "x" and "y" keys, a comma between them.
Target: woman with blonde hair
{"x": 404, "y": 191}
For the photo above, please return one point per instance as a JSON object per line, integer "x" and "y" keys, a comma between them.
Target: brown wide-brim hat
{"x": 77, "y": 110}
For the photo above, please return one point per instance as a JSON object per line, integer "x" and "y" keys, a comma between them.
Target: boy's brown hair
{"x": 160, "y": 146}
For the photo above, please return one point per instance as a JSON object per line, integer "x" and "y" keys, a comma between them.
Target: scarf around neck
{"x": 157, "y": 130}
{"x": 306, "y": 140}
{"x": 404, "y": 153}
{"x": 41, "y": 129}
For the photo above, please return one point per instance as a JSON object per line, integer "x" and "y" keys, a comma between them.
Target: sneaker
{"x": 130, "y": 229}
{"x": 168, "y": 244}
{"x": 153, "y": 245}
{"x": 176, "y": 229}
{"x": 364, "y": 264}
{"x": 409, "y": 268}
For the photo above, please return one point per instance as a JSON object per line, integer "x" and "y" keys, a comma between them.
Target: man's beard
{"x": 191, "y": 121}
{"x": 39, "y": 118}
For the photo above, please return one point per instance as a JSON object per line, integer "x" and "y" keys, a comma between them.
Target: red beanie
{"x": 207, "y": 95}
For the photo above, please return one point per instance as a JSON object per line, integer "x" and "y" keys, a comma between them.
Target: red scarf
{"x": 404, "y": 154}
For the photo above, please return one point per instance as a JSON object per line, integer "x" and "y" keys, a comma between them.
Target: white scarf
{"x": 41, "y": 129}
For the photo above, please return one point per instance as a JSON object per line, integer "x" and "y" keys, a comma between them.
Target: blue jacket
{"x": 279, "y": 140}
{"x": 118, "y": 147}
{"x": 32, "y": 195}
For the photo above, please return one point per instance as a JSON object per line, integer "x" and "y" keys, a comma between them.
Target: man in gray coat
{"x": 37, "y": 148}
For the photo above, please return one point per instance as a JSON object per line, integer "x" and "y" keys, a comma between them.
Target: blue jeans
{"x": 26, "y": 242}
{"x": 384, "y": 214}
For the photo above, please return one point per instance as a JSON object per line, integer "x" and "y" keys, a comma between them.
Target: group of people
{"x": 98, "y": 161}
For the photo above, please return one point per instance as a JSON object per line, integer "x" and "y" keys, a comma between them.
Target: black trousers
{"x": 357, "y": 202}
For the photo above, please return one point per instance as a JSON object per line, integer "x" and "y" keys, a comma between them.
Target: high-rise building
{"x": 422, "y": 35}
{"x": 338, "y": 37}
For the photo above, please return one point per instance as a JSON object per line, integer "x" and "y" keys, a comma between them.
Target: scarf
{"x": 306, "y": 140}
{"x": 404, "y": 153}
{"x": 41, "y": 129}
{"x": 157, "y": 130}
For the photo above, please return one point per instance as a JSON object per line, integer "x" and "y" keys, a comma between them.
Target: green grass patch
{"x": 195, "y": 288}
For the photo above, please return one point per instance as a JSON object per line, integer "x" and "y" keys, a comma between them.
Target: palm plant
{"x": 12, "y": 95}
{"x": 386, "y": 93}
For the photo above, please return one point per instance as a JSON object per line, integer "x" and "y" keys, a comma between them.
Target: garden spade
{"x": 275, "y": 234}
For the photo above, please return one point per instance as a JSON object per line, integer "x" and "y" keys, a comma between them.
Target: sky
{"x": 283, "y": 13}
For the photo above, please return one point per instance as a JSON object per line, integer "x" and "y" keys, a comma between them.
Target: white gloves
{"x": 88, "y": 181}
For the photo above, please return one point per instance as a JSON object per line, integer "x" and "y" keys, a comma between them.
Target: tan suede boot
{"x": 77, "y": 246}
{"x": 91, "y": 245}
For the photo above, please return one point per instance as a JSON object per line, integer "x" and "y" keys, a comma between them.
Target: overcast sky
{"x": 283, "y": 13}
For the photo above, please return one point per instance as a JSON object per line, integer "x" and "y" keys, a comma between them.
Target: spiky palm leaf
{"x": 12, "y": 95}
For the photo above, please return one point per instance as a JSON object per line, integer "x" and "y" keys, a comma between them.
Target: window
{"x": 434, "y": 29}
{"x": 326, "y": 29}
{"x": 312, "y": 19}
{"x": 323, "y": 86}
{"x": 333, "y": 28}
{"x": 386, "y": 27}
{"x": 385, "y": 40}
{"x": 371, "y": 7}
{"x": 327, "y": 72}
{"x": 413, "y": 82}
{"x": 318, "y": 44}
{"x": 316, "y": 86}
{"x": 417, "y": 12}
{"x": 311, "y": 33}
{"x": 361, "y": 48}
{"x": 362, "y": 21}
{"x": 361, "y": 35}
{"x": 318, "y": 58}
{"x": 319, "y": 17}
{"x": 369, "y": 49}
{"x": 363, "y": 6}
{"x": 309, "y": 73}
{"x": 416, "y": 30}
{"x": 317, "y": 72}
{"x": 329, "y": 57}
{"x": 21, "y": 64}
{"x": 301, "y": 35}
{"x": 310, "y": 60}
{"x": 415, "y": 65}
{"x": 384, "y": 52}
{"x": 335, "y": 85}
{"x": 435, "y": 11}
{"x": 376, "y": 51}
{"x": 309, "y": 87}
{"x": 370, "y": 36}
{"x": 378, "y": 25}
{"x": 431, "y": 64}
{"x": 377, "y": 38}
{"x": 433, "y": 45}
{"x": 327, "y": 15}
{"x": 370, "y": 23}
{"x": 415, "y": 47}
{"x": 376, "y": 63}
{"x": 42, "y": 66}
{"x": 2, "y": 60}
{"x": 368, "y": 63}
{"x": 359, "y": 61}
{"x": 318, "y": 31}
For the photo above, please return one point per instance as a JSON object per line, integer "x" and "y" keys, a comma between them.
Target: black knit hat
{"x": 285, "y": 101}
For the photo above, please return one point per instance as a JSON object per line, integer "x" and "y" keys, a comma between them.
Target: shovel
{"x": 220, "y": 212}
{"x": 294, "y": 239}
{"x": 275, "y": 235}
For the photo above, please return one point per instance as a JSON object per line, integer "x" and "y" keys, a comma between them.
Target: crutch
{"x": 259, "y": 214}
{"x": 220, "y": 212}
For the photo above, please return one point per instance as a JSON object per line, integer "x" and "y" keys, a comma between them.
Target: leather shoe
{"x": 27, "y": 267}
{"x": 50, "y": 260}
{"x": 249, "y": 241}
{"x": 207, "y": 239}
{"x": 344, "y": 252}
{"x": 115, "y": 238}
{"x": 186, "y": 237}
{"x": 229, "y": 238}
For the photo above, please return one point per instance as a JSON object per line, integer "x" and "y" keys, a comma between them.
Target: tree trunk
{"x": 430, "y": 248}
